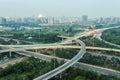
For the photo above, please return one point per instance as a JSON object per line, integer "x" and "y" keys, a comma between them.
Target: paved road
{"x": 70, "y": 39}
{"x": 8, "y": 39}
{"x": 81, "y": 65}
{"x": 66, "y": 65}
{"x": 61, "y": 68}
{"x": 99, "y": 37}
{"x": 106, "y": 55}
{"x": 75, "y": 59}
{"x": 111, "y": 43}
{"x": 59, "y": 46}
{"x": 13, "y": 61}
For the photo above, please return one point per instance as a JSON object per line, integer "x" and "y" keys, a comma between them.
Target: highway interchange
{"x": 66, "y": 65}
{"x": 18, "y": 48}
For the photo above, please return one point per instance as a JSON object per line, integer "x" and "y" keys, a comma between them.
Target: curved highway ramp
{"x": 66, "y": 65}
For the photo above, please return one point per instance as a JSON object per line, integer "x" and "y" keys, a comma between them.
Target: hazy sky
{"x": 92, "y": 8}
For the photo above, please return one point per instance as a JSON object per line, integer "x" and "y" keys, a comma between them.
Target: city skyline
{"x": 92, "y": 8}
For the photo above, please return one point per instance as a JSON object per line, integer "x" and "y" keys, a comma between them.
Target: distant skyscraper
{"x": 84, "y": 18}
{"x": 57, "y": 20}
{"x": 2, "y": 20}
{"x": 50, "y": 20}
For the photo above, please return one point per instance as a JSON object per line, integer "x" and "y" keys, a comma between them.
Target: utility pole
{"x": 105, "y": 62}
{"x": 93, "y": 42}
{"x": 62, "y": 39}
{"x": 54, "y": 56}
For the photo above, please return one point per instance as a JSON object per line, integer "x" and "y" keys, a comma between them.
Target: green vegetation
{"x": 103, "y": 61}
{"x": 43, "y": 37}
{"x": 40, "y": 35}
{"x": 80, "y": 74}
{"x": 2, "y": 41}
{"x": 112, "y": 53}
{"x": 89, "y": 41}
{"x": 112, "y": 35}
{"x": 4, "y": 57}
{"x": 31, "y": 68}
{"x": 27, "y": 69}
{"x": 88, "y": 58}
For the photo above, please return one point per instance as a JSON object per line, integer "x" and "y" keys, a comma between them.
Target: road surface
{"x": 102, "y": 70}
{"x": 13, "y": 61}
{"x": 58, "y": 46}
{"x": 66, "y": 65}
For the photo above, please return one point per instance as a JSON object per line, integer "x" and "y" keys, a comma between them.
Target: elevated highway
{"x": 81, "y": 65}
{"x": 59, "y": 46}
{"x": 72, "y": 61}
{"x": 66, "y": 65}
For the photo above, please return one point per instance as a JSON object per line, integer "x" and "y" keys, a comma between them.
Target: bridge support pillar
{"x": 77, "y": 44}
{"x": 61, "y": 75}
{"x": 54, "y": 57}
{"x": 36, "y": 51}
{"x": 10, "y": 53}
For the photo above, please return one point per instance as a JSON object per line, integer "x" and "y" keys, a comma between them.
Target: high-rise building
{"x": 57, "y": 20}
{"x": 84, "y": 18}
{"x": 2, "y": 20}
{"x": 50, "y": 20}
